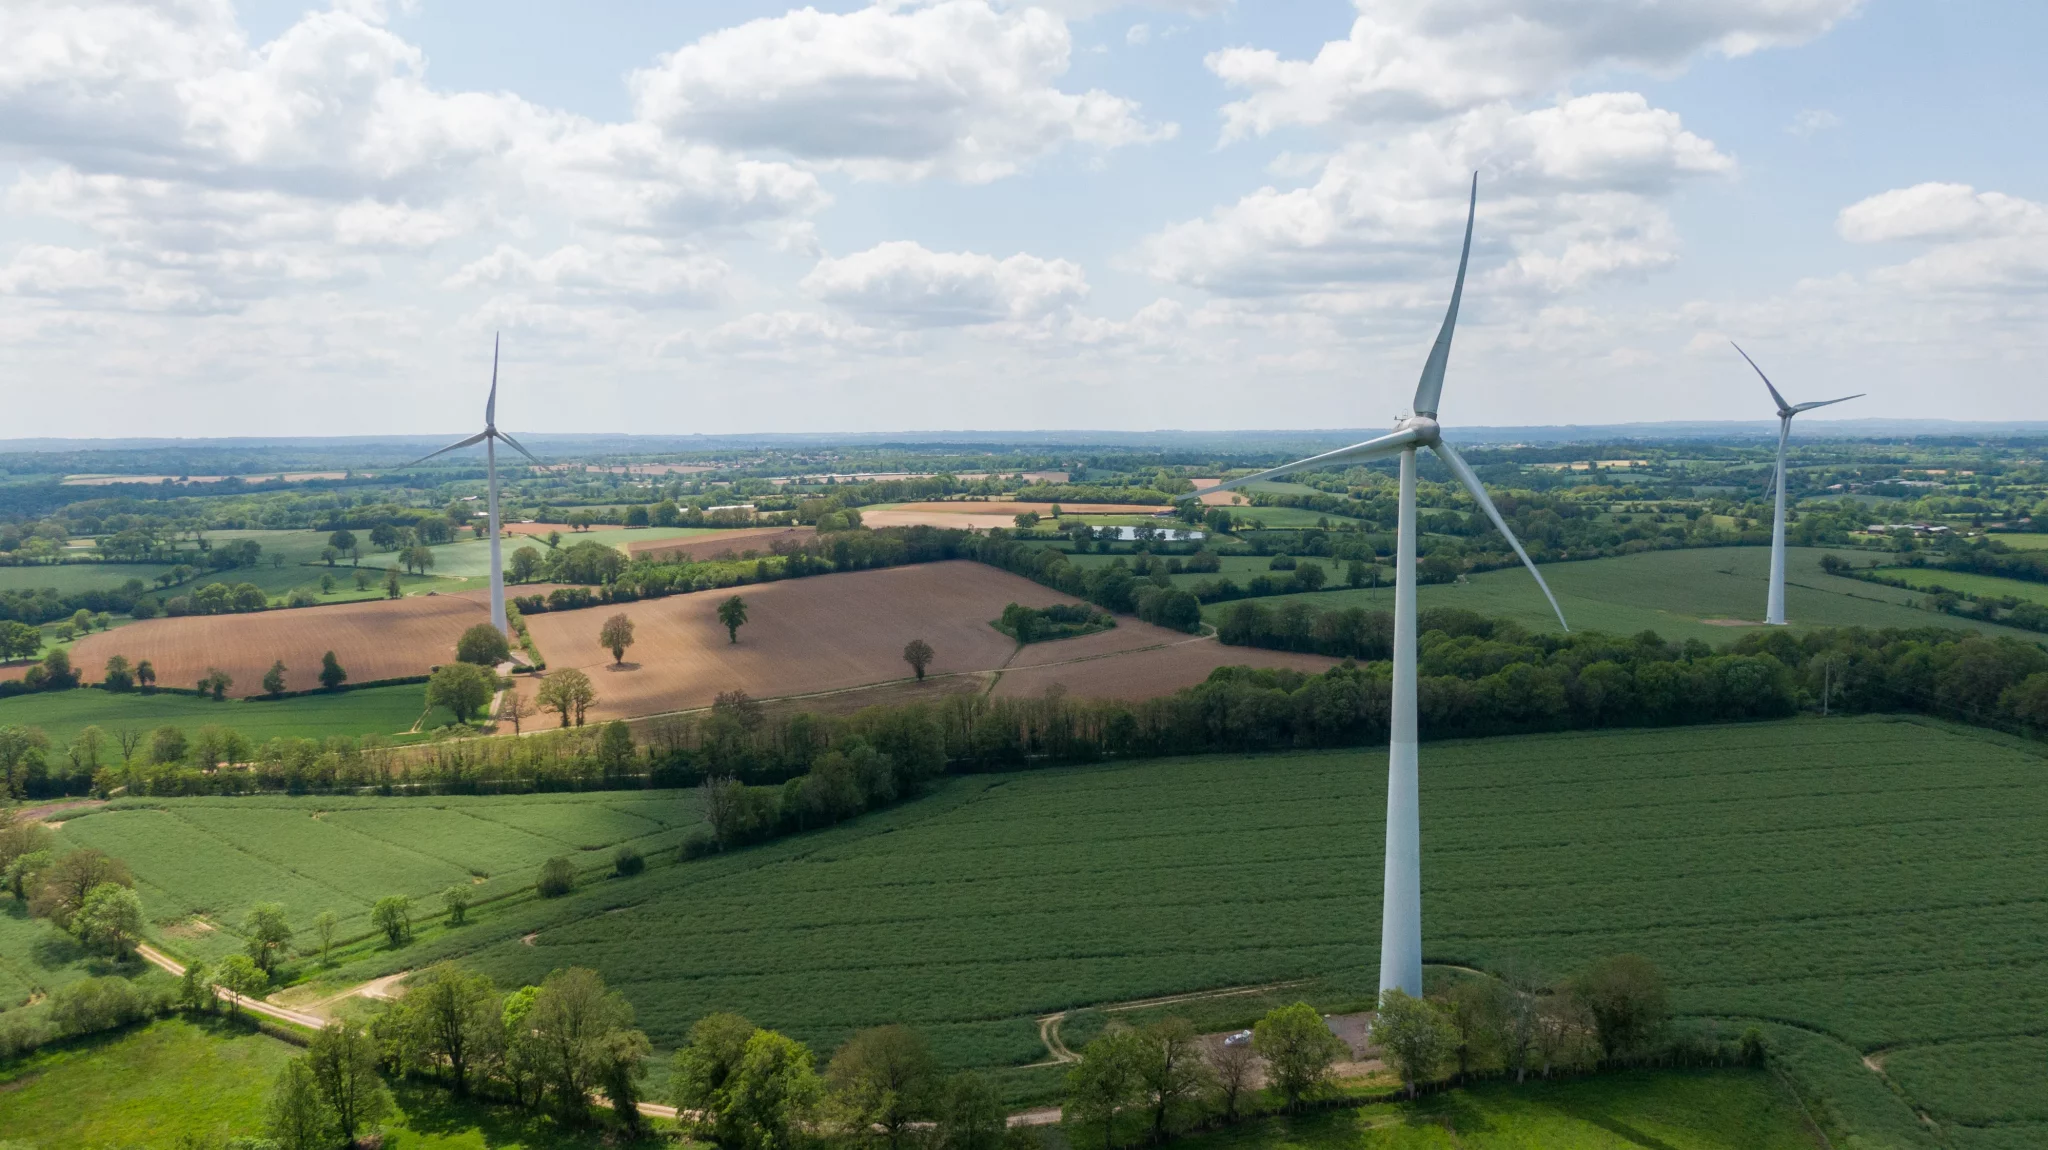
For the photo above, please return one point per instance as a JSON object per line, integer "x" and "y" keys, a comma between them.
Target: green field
{"x": 1724, "y": 1110}
{"x": 212, "y": 859}
{"x": 2020, "y": 540}
{"x": 1985, "y": 586}
{"x": 175, "y": 1084}
{"x": 1670, "y": 592}
{"x": 68, "y": 578}
{"x": 1865, "y": 884}
{"x": 370, "y": 710}
{"x": 1858, "y": 885}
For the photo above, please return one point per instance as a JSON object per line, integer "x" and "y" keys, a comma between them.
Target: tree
{"x": 615, "y": 750}
{"x": 195, "y": 988}
{"x": 1106, "y": 1078}
{"x": 266, "y": 935}
{"x": 120, "y": 676}
{"x": 1626, "y": 997}
{"x": 450, "y": 1016}
{"x": 463, "y": 688}
{"x": 484, "y": 645}
{"x": 298, "y": 1117}
{"x": 273, "y": 679}
{"x": 343, "y": 541}
{"x": 773, "y": 1091}
{"x": 393, "y": 916}
{"x": 455, "y": 900}
{"x": 1298, "y": 1048}
{"x": 568, "y": 691}
{"x": 216, "y": 683}
{"x": 22, "y": 870}
{"x": 581, "y": 1030}
{"x": 325, "y": 925}
{"x": 918, "y": 654}
{"x": 391, "y": 583}
{"x": 110, "y": 921}
{"x": 515, "y": 709}
{"x": 167, "y": 745}
{"x": 971, "y": 1114}
{"x": 62, "y": 886}
{"x": 344, "y": 1062}
{"x": 883, "y": 1077}
{"x": 525, "y": 564}
{"x": 732, "y": 613}
{"x": 703, "y": 1069}
{"x": 557, "y": 878}
{"x": 1170, "y": 1072}
{"x": 1235, "y": 1066}
{"x": 240, "y": 978}
{"x": 1414, "y": 1035}
{"x": 616, "y": 635}
{"x": 145, "y": 674}
{"x": 331, "y": 674}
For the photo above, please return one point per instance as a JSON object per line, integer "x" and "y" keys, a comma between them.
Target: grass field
{"x": 1987, "y": 586}
{"x": 176, "y": 1083}
{"x": 373, "y": 710}
{"x": 71, "y": 577}
{"x": 211, "y": 859}
{"x": 1673, "y": 593}
{"x": 2020, "y": 540}
{"x": 1724, "y": 1110}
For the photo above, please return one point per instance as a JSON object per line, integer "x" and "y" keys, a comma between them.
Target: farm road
{"x": 254, "y": 1006}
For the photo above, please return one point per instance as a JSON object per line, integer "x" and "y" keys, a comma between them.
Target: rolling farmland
{"x": 1865, "y": 884}
{"x": 1715, "y": 595}
{"x": 214, "y": 858}
{"x": 380, "y": 639}
{"x": 832, "y": 632}
{"x": 371, "y": 710}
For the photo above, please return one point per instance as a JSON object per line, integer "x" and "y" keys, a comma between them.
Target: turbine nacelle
{"x": 1425, "y": 429}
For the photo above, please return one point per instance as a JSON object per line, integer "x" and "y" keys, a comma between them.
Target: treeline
{"x": 2004, "y": 610}
{"x": 47, "y": 604}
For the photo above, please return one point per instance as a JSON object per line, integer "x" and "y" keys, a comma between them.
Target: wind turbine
{"x": 1401, "y": 911}
{"x": 489, "y": 437}
{"x": 1774, "y": 604}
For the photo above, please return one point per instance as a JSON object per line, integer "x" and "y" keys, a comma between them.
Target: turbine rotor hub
{"x": 1425, "y": 428}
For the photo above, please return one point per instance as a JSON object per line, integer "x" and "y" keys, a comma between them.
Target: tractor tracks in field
{"x": 1057, "y": 1052}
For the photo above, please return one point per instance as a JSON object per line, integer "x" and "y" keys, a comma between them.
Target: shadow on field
{"x": 432, "y": 1110}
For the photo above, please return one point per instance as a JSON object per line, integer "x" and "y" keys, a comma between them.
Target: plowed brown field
{"x": 1144, "y": 674}
{"x": 697, "y": 547}
{"x": 378, "y": 639}
{"x": 830, "y": 633}
{"x": 977, "y": 516}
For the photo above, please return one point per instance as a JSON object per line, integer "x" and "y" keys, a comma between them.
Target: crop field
{"x": 381, "y": 639}
{"x": 1714, "y": 594}
{"x": 823, "y": 633}
{"x": 2021, "y": 540}
{"x": 202, "y": 862}
{"x": 372, "y": 710}
{"x": 1988, "y": 586}
{"x": 1867, "y": 885}
{"x": 993, "y": 513}
{"x": 71, "y": 577}
{"x": 708, "y": 544}
{"x": 1140, "y": 674}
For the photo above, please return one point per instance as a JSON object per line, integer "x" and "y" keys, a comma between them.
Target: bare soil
{"x": 374, "y": 639}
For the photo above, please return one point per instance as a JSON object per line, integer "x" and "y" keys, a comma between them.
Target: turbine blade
{"x": 1379, "y": 448}
{"x": 1470, "y": 479}
{"x": 477, "y": 438}
{"x": 517, "y": 446}
{"x": 491, "y": 404}
{"x": 1430, "y": 388}
{"x": 1827, "y": 402}
{"x": 1783, "y": 407}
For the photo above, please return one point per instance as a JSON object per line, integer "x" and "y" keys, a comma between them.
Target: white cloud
{"x": 1813, "y": 120}
{"x": 1420, "y": 59}
{"x": 1138, "y": 34}
{"x": 903, "y": 283}
{"x": 1570, "y": 191}
{"x": 1940, "y": 212}
{"x": 631, "y": 269}
{"x": 957, "y": 88}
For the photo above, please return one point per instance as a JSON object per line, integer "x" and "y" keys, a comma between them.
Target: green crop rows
{"x": 372, "y": 710}
{"x": 214, "y": 858}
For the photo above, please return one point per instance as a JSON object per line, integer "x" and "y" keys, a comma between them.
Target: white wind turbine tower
{"x": 1401, "y": 912}
{"x": 489, "y": 437}
{"x": 1774, "y": 604}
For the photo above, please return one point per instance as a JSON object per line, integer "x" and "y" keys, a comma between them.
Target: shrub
{"x": 697, "y": 844}
{"x": 557, "y": 878}
{"x": 95, "y": 1004}
{"x": 627, "y": 860}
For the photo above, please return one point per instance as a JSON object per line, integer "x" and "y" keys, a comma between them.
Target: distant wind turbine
{"x": 1401, "y": 911}
{"x": 489, "y": 437}
{"x": 1774, "y": 604}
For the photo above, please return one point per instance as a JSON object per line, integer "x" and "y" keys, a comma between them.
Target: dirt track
{"x": 375, "y": 639}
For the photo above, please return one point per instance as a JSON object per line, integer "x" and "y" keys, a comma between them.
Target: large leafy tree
{"x": 1299, "y": 1050}
{"x": 884, "y": 1077}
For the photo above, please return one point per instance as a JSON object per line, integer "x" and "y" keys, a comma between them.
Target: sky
{"x": 270, "y": 218}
